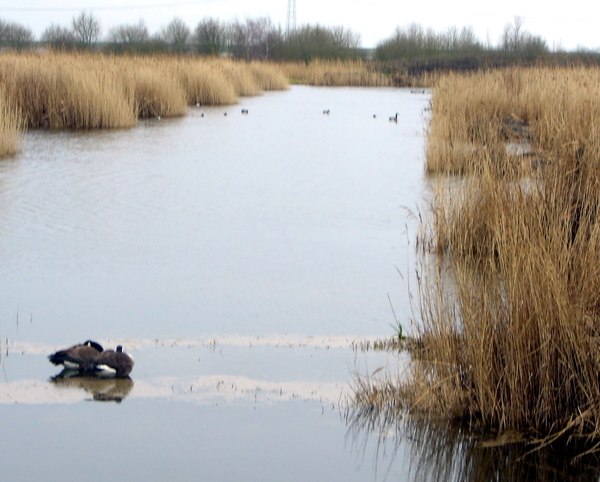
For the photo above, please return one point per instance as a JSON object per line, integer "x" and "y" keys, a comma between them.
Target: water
{"x": 236, "y": 257}
{"x": 282, "y": 221}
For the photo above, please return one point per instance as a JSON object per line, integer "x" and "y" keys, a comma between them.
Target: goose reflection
{"x": 102, "y": 389}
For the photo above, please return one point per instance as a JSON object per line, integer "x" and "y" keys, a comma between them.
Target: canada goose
{"x": 394, "y": 118}
{"x": 113, "y": 364}
{"x": 244, "y": 111}
{"x": 326, "y": 112}
{"x": 78, "y": 357}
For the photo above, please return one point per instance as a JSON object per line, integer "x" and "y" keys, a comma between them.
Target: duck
{"x": 78, "y": 357}
{"x": 394, "y": 118}
{"x": 113, "y": 364}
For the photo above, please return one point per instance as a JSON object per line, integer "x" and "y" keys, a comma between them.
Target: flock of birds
{"x": 326, "y": 112}
{"x": 91, "y": 359}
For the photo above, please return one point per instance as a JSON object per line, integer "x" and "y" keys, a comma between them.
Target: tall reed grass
{"x": 509, "y": 335}
{"x": 10, "y": 128}
{"x": 336, "y": 73}
{"x": 70, "y": 90}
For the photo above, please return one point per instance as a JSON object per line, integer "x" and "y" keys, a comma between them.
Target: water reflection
{"x": 102, "y": 390}
{"x": 446, "y": 451}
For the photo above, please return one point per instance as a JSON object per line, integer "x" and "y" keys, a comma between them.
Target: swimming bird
{"x": 244, "y": 111}
{"x": 113, "y": 364}
{"x": 326, "y": 112}
{"x": 394, "y": 118}
{"x": 78, "y": 357}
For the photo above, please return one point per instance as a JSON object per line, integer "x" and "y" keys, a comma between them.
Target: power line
{"x": 104, "y": 7}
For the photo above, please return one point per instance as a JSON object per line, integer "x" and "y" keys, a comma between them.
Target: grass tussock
{"x": 89, "y": 91}
{"x": 509, "y": 336}
{"x": 10, "y": 128}
{"x": 336, "y": 73}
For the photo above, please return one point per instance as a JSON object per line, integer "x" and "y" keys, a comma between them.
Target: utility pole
{"x": 291, "y": 18}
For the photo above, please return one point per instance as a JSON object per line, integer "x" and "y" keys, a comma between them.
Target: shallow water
{"x": 238, "y": 258}
{"x": 281, "y": 221}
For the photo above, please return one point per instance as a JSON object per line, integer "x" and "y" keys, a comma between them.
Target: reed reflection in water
{"x": 436, "y": 451}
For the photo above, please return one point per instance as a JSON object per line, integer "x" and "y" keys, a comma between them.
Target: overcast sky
{"x": 565, "y": 24}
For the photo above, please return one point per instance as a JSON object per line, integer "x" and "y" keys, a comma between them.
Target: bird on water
{"x": 78, "y": 357}
{"x": 113, "y": 364}
{"x": 90, "y": 358}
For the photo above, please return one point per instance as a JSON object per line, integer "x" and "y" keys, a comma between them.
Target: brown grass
{"x": 87, "y": 91}
{"x": 335, "y": 73}
{"x": 509, "y": 335}
{"x": 10, "y": 128}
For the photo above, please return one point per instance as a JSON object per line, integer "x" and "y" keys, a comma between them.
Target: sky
{"x": 563, "y": 25}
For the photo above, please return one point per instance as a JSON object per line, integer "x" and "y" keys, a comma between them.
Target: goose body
{"x": 113, "y": 364}
{"x": 394, "y": 118}
{"x": 78, "y": 357}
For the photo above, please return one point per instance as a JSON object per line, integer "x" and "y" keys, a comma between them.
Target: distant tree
{"x": 520, "y": 42}
{"x": 315, "y": 41}
{"x": 177, "y": 35}
{"x": 210, "y": 37}
{"x": 414, "y": 42}
{"x": 15, "y": 35}
{"x": 87, "y": 29}
{"x": 129, "y": 34}
{"x": 59, "y": 37}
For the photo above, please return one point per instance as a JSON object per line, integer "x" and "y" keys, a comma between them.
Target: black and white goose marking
{"x": 113, "y": 364}
{"x": 78, "y": 357}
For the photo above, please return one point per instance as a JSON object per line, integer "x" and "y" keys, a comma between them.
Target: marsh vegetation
{"x": 509, "y": 327}
{"x": 90, "y": 91}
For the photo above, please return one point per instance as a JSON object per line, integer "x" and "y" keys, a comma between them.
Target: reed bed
{"x": 336, "y": 73}
{"x": 10, "y": 128}
{"x": 552, "y": 110}
{"x": 509, "y": 329}
{"x": 88, "y": 91}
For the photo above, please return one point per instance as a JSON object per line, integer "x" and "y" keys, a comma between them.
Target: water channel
{"x": 238, "y": 258}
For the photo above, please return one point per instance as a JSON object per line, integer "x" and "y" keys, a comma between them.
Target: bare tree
{"x": 512, "y": 34}
{"x": 129, "y": 34}
{"x": 177, "y": 34}
{"x": 515, "y": 39}
{"x": 87, "y": 29}
{"x": 59, "y": 37}
{"x": 210, "y": 36}
{"x": 15, "y": 35}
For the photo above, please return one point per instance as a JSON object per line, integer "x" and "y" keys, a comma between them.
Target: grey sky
{"x": 566, "y": 24}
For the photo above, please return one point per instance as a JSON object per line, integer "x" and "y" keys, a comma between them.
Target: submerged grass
{"x": 509, "y": 330}
{"x": 89, "y": 91}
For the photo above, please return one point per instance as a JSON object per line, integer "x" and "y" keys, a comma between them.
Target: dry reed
{"x": 10, "y": 128}
{"x": 88, "y": 91}
{"x": 336, "y": 73}
{"x": 509, "y": 335}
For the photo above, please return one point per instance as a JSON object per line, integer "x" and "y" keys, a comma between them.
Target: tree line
{"x": 414, "y": 46}
{"x": 257, "y": 38}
